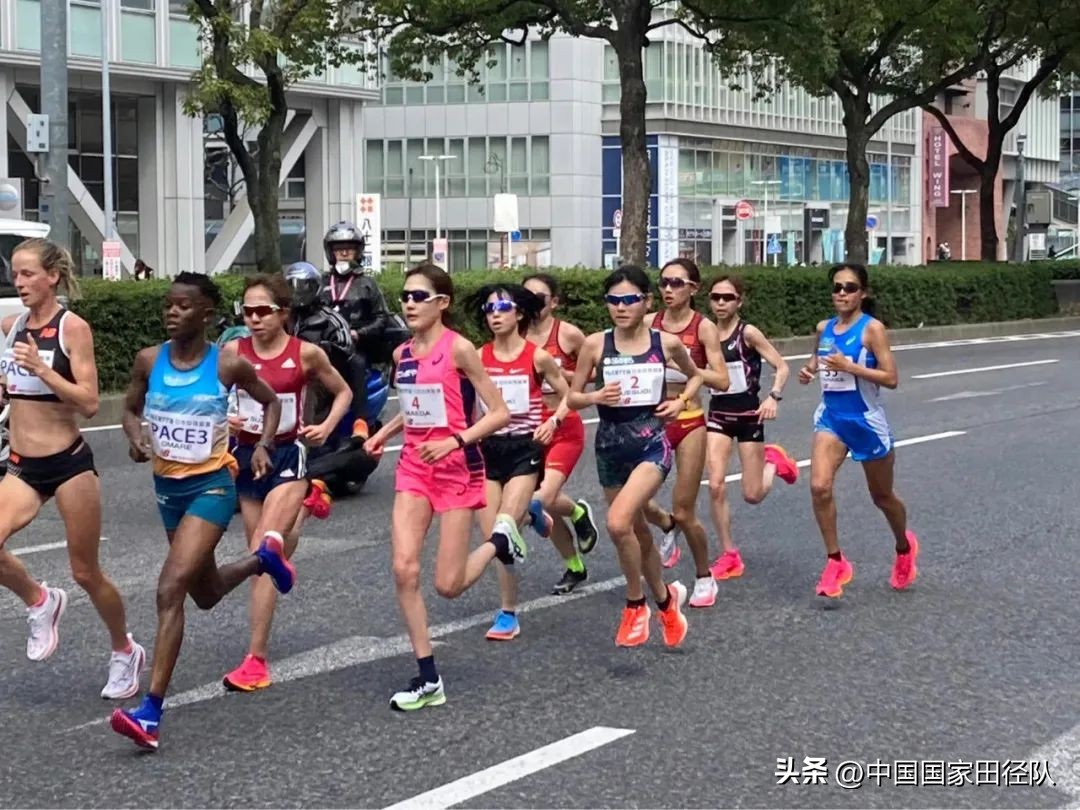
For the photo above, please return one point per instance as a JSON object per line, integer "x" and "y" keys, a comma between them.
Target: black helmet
{"x": 305, "y": 281}
{"x": 343, "y": 233}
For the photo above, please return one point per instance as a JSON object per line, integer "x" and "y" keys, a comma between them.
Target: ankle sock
{"x": 502, "y": 548}
{"x": 838, "y": 556}
{"x": 577, "y": 514}
{"x": 427, "y": 668}
{"x": 576, "y": 564}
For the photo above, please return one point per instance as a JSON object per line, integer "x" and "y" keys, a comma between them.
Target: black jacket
{"x": 360, "y": 301}
{"x": 328, "y": 330}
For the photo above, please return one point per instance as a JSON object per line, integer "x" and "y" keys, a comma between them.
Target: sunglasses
{"x": 727, "y": 298}
{"x": 848, "y": 287}
{"x": 419, "y": 296}
{"x": 626, "y": 300}
{"x": 675, "y": 283}
{"x": 261, "y": 310}
{"x": 502, "y": 305}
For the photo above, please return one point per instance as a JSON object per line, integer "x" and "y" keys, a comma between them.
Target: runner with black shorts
{"x": 738, "y": 416}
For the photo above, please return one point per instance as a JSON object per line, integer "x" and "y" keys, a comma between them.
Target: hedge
{"x": 127, "y": 316}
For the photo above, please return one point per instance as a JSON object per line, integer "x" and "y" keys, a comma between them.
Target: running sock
{"x": 576, "y": 564}
{"x": 427, "y": 669}
{"x": 906, "y": 549}
{"x": 510, "y": 612}
{"x": 128, "y": 647}
{"x": 838, "y": 556}
{"x": 635, "y": 603}
{"x": 44, "y": 598}
{"x": 503, "y": 552}
{"x": 662, "y": 606}
{"x": 577, "y": 514}
{"x": 671, "y": 517}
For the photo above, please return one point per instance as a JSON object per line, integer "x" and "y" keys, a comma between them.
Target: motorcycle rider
{"x": 356, "y": 296}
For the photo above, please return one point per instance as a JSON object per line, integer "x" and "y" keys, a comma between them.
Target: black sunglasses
{"x": 725, "y": 297}
{"x": 848, "y": 287}
{"x": 262, "y": 310}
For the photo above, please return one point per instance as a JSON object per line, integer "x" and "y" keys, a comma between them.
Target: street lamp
{"x": 963, "y": 192}
{"x": 437, "y": 159}
{"x": 765, "y": 215}
{"x": 1020, "y": 201}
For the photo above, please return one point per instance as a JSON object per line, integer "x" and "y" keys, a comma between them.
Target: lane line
{"x": 940, "y": 344}
{"x": 489, "y": 779}
{"x": 1062, "y": 758}
{"x": 19, "y": 552}
{"x": 958, "y": 371}
{"x": 992, "y": 392}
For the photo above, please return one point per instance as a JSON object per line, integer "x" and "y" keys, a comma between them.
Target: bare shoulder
{"x": 464, "y": 351}
{"x": 145, "y": 359}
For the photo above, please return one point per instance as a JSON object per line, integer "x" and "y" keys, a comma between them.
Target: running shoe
{"x": 505, "y": 627}
{"x": 419, "y": 695}
{"x": 570, "y": 580}
{"x": 505, "y": 524}
{"x": 672, "y": 620}
{"x": 44, "y": 621}
{"x": 360, "y": 432}
{"x": 251, "y": 675}
{"x": 124, "y": 672}
{"x": 272, "y": 561}
{"x": 319, "y": 500}
{"x": 704, "y": 596}
{"x": 670, "y": 553}
{"x": 728, "y": 565}
{"x": 585, "y": 528}
{"x": 786, "y": 467}
{"x": 634, "y": 627}
{"x": 140, "y": 725}
{"x": 836, "y": 575}
{"x": 904, "y": 570}
{"x": 539, "y": 519}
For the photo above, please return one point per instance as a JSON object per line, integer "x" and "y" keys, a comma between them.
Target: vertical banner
{"x": 667, "y": 186}
{"x": 110, "y": 261}
{"x": 938, "y": 174}
{"x": 369, "y": 221}
{"x": 440, "y": 250}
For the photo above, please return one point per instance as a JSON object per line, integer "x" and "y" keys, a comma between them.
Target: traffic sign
{"x": 110, "y": 261}
{"x": 616, "y": 219}
{"x": 774, "y": 245}
{"x": 871, "y": 222}
{"x": 515, "y": 236}
{"x": 744, "y": 209}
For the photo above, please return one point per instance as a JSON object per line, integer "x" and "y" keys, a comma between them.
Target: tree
{"x": 416, "y": 30}
{"x": 1045, "y": 35}
{"x": 284, "y": 42}
{"x": 879, "y": 57}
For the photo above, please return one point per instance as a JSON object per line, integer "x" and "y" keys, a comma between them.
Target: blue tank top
{"x": 188, "y": 414}
{"x": 841, "y": 391}
{"x": 640, "y": 375}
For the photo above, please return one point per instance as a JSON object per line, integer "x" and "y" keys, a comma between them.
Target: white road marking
{"x": 933, "y": 437}
{"x": 489, "y": 779}
{"x": 990, "y": 393}
{"x": 18, "y": 552}
{"x": 957, "y": 371}
{"x": 1062, "y": 758}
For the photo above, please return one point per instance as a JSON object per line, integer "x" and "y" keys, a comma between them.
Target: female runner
{"x": 513, "y": 454}
{"x": 562, "y": 341}
{"x": 855, "y": 360}
{"x": 679, "y": 280}
{"x": 438, "y": 375}
{"x": 48, "y": 363}
{"x": 272, "y": 504}
{"x": 633, "y": 455}
{"x": 737, "y": 415}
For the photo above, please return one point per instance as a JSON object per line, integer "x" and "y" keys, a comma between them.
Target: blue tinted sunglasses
{"x": 502, "y": 305}
{"x": 625, "y": 300}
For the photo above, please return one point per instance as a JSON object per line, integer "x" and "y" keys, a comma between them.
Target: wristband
{"x": 457, "y": 438}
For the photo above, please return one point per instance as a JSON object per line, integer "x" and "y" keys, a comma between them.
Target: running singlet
{"x": 284, "y": 374}
{"x": 744, "y": 375}
{"x": 640, "y": 375}
{"x": 841, "y": 391}
{"x": 437, "y": 399}
{"x": 690, "y": 339}
{"x": 49, "y": 338}
{"x": 562, "y": 359}
{"x": 519, "y": 384}
{"x": 188, "y": 415}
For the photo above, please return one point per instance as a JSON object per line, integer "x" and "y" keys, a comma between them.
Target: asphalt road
{"x": 970, "y": 668}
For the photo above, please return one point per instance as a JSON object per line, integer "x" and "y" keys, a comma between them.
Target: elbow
{"x": 89, "y": 409}
{"x": 892, "y": 382}
{"x": 504, "y": 417}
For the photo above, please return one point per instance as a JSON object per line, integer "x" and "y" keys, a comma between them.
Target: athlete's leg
{"x": 879, "y": 480}
{"x": 630, "y": 532}
{"x": 757, "y": 474}
{"x": 514, "y": 501}
{"x": 409, "y": 525}
{"x": 689, "y": 468}
{"x": 559, "y": 506}
{"x": 826, "y": 456}
{"x": 19, "y": 504}
{"x": 719, "y": 457}
{"x": 79, "y": 503}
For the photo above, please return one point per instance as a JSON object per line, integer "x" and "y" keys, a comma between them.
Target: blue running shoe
{"x": 539, "y": 519}
{"x": 505, "y": 628}
{"x": 271, "y": 554}
{"x": 140, "y": 726}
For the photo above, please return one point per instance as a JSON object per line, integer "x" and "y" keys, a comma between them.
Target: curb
{"x": 111, "y": 409}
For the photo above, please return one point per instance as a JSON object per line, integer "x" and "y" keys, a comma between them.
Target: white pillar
{"x": 334, "y": 173}
{"x": 7, "y": 84}
{"x": 182, "y": 193}
{"x": 317, "y": 175}
{"x": 151, "y": 182}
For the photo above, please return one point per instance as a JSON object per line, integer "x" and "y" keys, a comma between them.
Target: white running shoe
{"x": 705, "y": 590}
{"x": 124, "y": 672}
{"x": 43, "y": 622}
{"x": 669, "y": 547}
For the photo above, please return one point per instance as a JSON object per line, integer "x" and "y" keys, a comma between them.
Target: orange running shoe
{"x": 728, "y": 565}
{"x": 252, "y": 674}
{"x": 672, "y": 620}
{"x": 319, "y": 500}
{"x": 836, "y": 575}
{"x": 360, "y": 430}
{"x": 634, "y": 627}
{"x": 904, "y": 570}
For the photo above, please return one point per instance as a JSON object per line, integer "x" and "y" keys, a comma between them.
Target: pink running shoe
{"x": 786, "y": 466}
{"x": 836, "y": 575}
{"x": 728, "y": 565}
{"x": 904, "y": 570}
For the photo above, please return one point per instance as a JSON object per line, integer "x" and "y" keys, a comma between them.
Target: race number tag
{"x": 185, "y": 438}
{"x": 423, "y": 405}
{"x": 515, "y": 392}
{"x": 736, "y": 378}
{"x": 21, "y": 381}
{"x": 251, "y": 412}
{"x": 837, "y": 380}
{"x": 641, "y": 383}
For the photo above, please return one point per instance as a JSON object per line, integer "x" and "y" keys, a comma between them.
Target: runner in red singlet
{"x": 271, "y": 505}
{"x": 562, "y": 341}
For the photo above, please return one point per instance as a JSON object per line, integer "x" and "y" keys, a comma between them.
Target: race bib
{"x": 545, "y": 386}
{"x": 515, "y": 393}
{"x": 736, "y": 378}
{"x": 836, "y": 380}
{"x": 186, "y": 438}
{"x": 21, "y": 381}
{"x": 423, "y": 405}
{"x": 251, "y": 411}
{"x": 641, "y": 383}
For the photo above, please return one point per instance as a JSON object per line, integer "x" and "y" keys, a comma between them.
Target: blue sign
{"x": 515, "y": 236}
{"x": 871, "y": 222}
{"x": 774, "y": 245}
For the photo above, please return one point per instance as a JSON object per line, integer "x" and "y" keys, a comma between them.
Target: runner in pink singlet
{"x": 439, "y": 377}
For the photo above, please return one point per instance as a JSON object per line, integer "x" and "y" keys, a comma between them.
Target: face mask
{"x": 342, "y": 268}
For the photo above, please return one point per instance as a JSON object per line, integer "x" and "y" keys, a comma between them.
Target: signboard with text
{"x": 110, "y": 261}
{"x": 938, "y": 171}
{"x": 369, "y": 221}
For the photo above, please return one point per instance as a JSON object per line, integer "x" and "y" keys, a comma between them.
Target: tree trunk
{"x": 264, "y": 202}
{"x": 856, "y": 242}
{"x": 636, "y": 176}
{"x": 988, "y": 170}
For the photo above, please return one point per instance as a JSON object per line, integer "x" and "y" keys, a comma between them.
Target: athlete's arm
{"x": 588, "y": 357}
{"x": 317, "y": 366}
{"x": 81, "y": 394}
{"x": 715, "y": 375}
{"x": 807, "y": 372}
{"x": 546, "y": 366}
{"x": 571, "y": 339}
{"x": 676, "y": 351}
{"x": 374, "y": 446}
{"x": 756, "y": 340}
{"x": 876, "y": 340}
{"x": 498, "y": 415}
{"x": 134, "y": 399}
{"x": 8, "y": 323}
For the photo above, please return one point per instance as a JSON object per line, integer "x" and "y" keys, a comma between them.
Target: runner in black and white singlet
{"x": 48, "y": 363}
{"x": 738, "y": 416}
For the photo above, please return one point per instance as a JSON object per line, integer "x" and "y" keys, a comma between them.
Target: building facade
{"x": 176, "y": 201}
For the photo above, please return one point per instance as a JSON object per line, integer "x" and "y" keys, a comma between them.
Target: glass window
{"x": 687, "y": 178}
{"x": 455, "y": 169}
{"x": 495, "y": 92}
{"x": 414, "y": 94}
{"x": 497, "y": 68}
{"x": 541, "y": 167}
{"x": 393, "y": 96}
{"x": 125, "y": 126}
{"x": 518, "y": 62}
{"x": 519, "y": 91}
{"x": 436, "y": 94}
{"x": 179, "y": 7}
{"x": 143, "y": 5}
{"x": 395, "y": 174}
{"x": 611, "y": 64}
{"x": 519, "y": 166}
{"x": 455, "y": 93}
{"x": 126, "y": 184}
{"x": 477, "y": 161}
{"x": 373, "y": 167}
{"x": 538, "y": 66}
{"x": 414, "y": 148}
{"x": 540, "y": 91}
